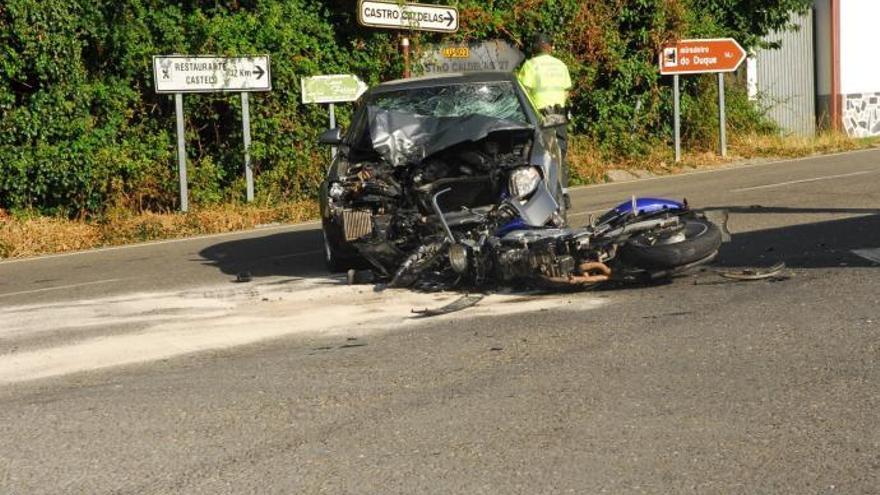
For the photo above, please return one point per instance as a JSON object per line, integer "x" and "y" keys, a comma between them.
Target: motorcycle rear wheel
{"x": 695, "y": 240}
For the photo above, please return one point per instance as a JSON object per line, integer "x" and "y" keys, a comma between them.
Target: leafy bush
{"x": 82, "y": 130}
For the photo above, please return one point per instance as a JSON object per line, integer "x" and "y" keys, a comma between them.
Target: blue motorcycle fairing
{"x": 512, "y": 226}
{"x": 649, "y": 205}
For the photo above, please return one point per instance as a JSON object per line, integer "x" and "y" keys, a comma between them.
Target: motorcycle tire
{"x": 696, "y": 240}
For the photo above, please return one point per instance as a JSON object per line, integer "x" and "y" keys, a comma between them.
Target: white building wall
{"x": 860, "y": 66}
{"x": 859, "y": 60}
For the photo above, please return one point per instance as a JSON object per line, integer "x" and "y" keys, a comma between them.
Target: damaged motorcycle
{"x": 456, "y": 181}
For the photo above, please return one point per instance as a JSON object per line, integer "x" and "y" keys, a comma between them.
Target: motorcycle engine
{"x": 548, "y": 257}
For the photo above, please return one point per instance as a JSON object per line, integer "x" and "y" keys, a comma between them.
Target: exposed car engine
{"x": 387, "y": 211}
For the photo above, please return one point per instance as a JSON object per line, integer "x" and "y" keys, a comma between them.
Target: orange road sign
{"x": 701, "y": 56}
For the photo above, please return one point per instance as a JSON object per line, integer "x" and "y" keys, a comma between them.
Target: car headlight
{"x": 336, "y": 190}
{"x": 524, "y": 181}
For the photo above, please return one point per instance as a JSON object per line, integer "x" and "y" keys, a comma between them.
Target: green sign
{"x": 332, "y": 89}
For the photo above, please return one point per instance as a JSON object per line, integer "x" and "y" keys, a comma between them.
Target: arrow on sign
{"x": 210, "y": 74}
{"x": 408, "y": 16}
{"x": 701, "y": 56}
{"x": 338, "y": 88}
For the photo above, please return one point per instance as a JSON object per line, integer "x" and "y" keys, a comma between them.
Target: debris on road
{"x": 462, "y": 303}
{"x": 752, "y": 274}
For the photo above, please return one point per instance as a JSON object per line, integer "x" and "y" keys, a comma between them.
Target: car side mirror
{"x": 331, "y": 137}
{"x": 554, "y": 120}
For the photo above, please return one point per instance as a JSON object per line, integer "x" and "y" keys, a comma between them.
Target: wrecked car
{"x": 452, "y": 181}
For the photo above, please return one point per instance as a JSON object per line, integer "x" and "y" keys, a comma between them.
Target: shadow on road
{"x": 826, "y": 244}
{"x": 812, "y": 245}
{"x": 758, "y": 209}
{"x": 289, "y": 254}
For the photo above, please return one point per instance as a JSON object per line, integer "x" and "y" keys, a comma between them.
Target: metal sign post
{"x": 677, "y": 111}
{"x": 181, "y": 152}
{"x": 404, "y": 45}
{"x": 701, "y": 57}
{"x": 246, "y": 133}
{"x": 333, "y": 126}
{"x": 722, "y": 117}
{"x": 180, "y": 74}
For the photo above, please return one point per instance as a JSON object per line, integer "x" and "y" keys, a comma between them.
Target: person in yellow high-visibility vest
{"x": 547, "y": 81}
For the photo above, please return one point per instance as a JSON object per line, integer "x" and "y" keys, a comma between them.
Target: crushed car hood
{"x": 402, "y": 138}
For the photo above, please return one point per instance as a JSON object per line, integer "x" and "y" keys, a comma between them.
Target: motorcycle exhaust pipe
{"x": 592, "y": 272}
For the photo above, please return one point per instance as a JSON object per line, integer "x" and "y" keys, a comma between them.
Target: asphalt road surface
{"x": 147, "y": 370}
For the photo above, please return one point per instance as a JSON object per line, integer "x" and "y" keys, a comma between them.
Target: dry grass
{"x": 776, "y": 146}
{"x": 590, "y": 166}
{"x": 35, "y": 235}
{"x": 32, "y": 235}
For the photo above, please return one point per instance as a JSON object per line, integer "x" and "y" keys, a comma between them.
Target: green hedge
{"x": 81, "y": 128}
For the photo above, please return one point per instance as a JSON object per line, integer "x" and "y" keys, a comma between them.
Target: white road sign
{"x": 339, "y": 88}
{"x": 414, "y": 16}
{"x": 204, "y": 74}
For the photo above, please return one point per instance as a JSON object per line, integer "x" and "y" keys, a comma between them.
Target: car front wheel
{"x": 334, "y": 256}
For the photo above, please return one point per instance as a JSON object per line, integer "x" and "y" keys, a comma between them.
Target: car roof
{"x": 442, "y": 80}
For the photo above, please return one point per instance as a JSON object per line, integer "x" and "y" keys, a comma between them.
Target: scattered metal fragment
{"x": 462, "y": 303}
{"x": 752, "y": 274}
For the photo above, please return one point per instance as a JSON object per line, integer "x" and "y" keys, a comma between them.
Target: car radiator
{"x": 357, "y": 224}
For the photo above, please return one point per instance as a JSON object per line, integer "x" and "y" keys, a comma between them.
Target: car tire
{"x": 336, "y": 261}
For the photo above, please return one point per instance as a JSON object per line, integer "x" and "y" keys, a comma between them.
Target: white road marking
{"x": 868, "y": 254}
{"x": 724, "y": 168}
{"x": 804, "y": 181}
{"x": 62, "y": 287}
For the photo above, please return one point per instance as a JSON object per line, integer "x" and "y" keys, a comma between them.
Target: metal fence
{"x": 785, "y": 78}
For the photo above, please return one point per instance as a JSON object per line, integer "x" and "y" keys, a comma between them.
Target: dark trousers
{"x": 560, "y": 114}
{"x": 562, "y": 137}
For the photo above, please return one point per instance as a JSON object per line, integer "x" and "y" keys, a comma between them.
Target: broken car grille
{"x": 357, "y": 224}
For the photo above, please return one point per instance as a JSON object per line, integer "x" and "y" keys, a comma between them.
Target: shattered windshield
{"x": 495, "y": 100}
